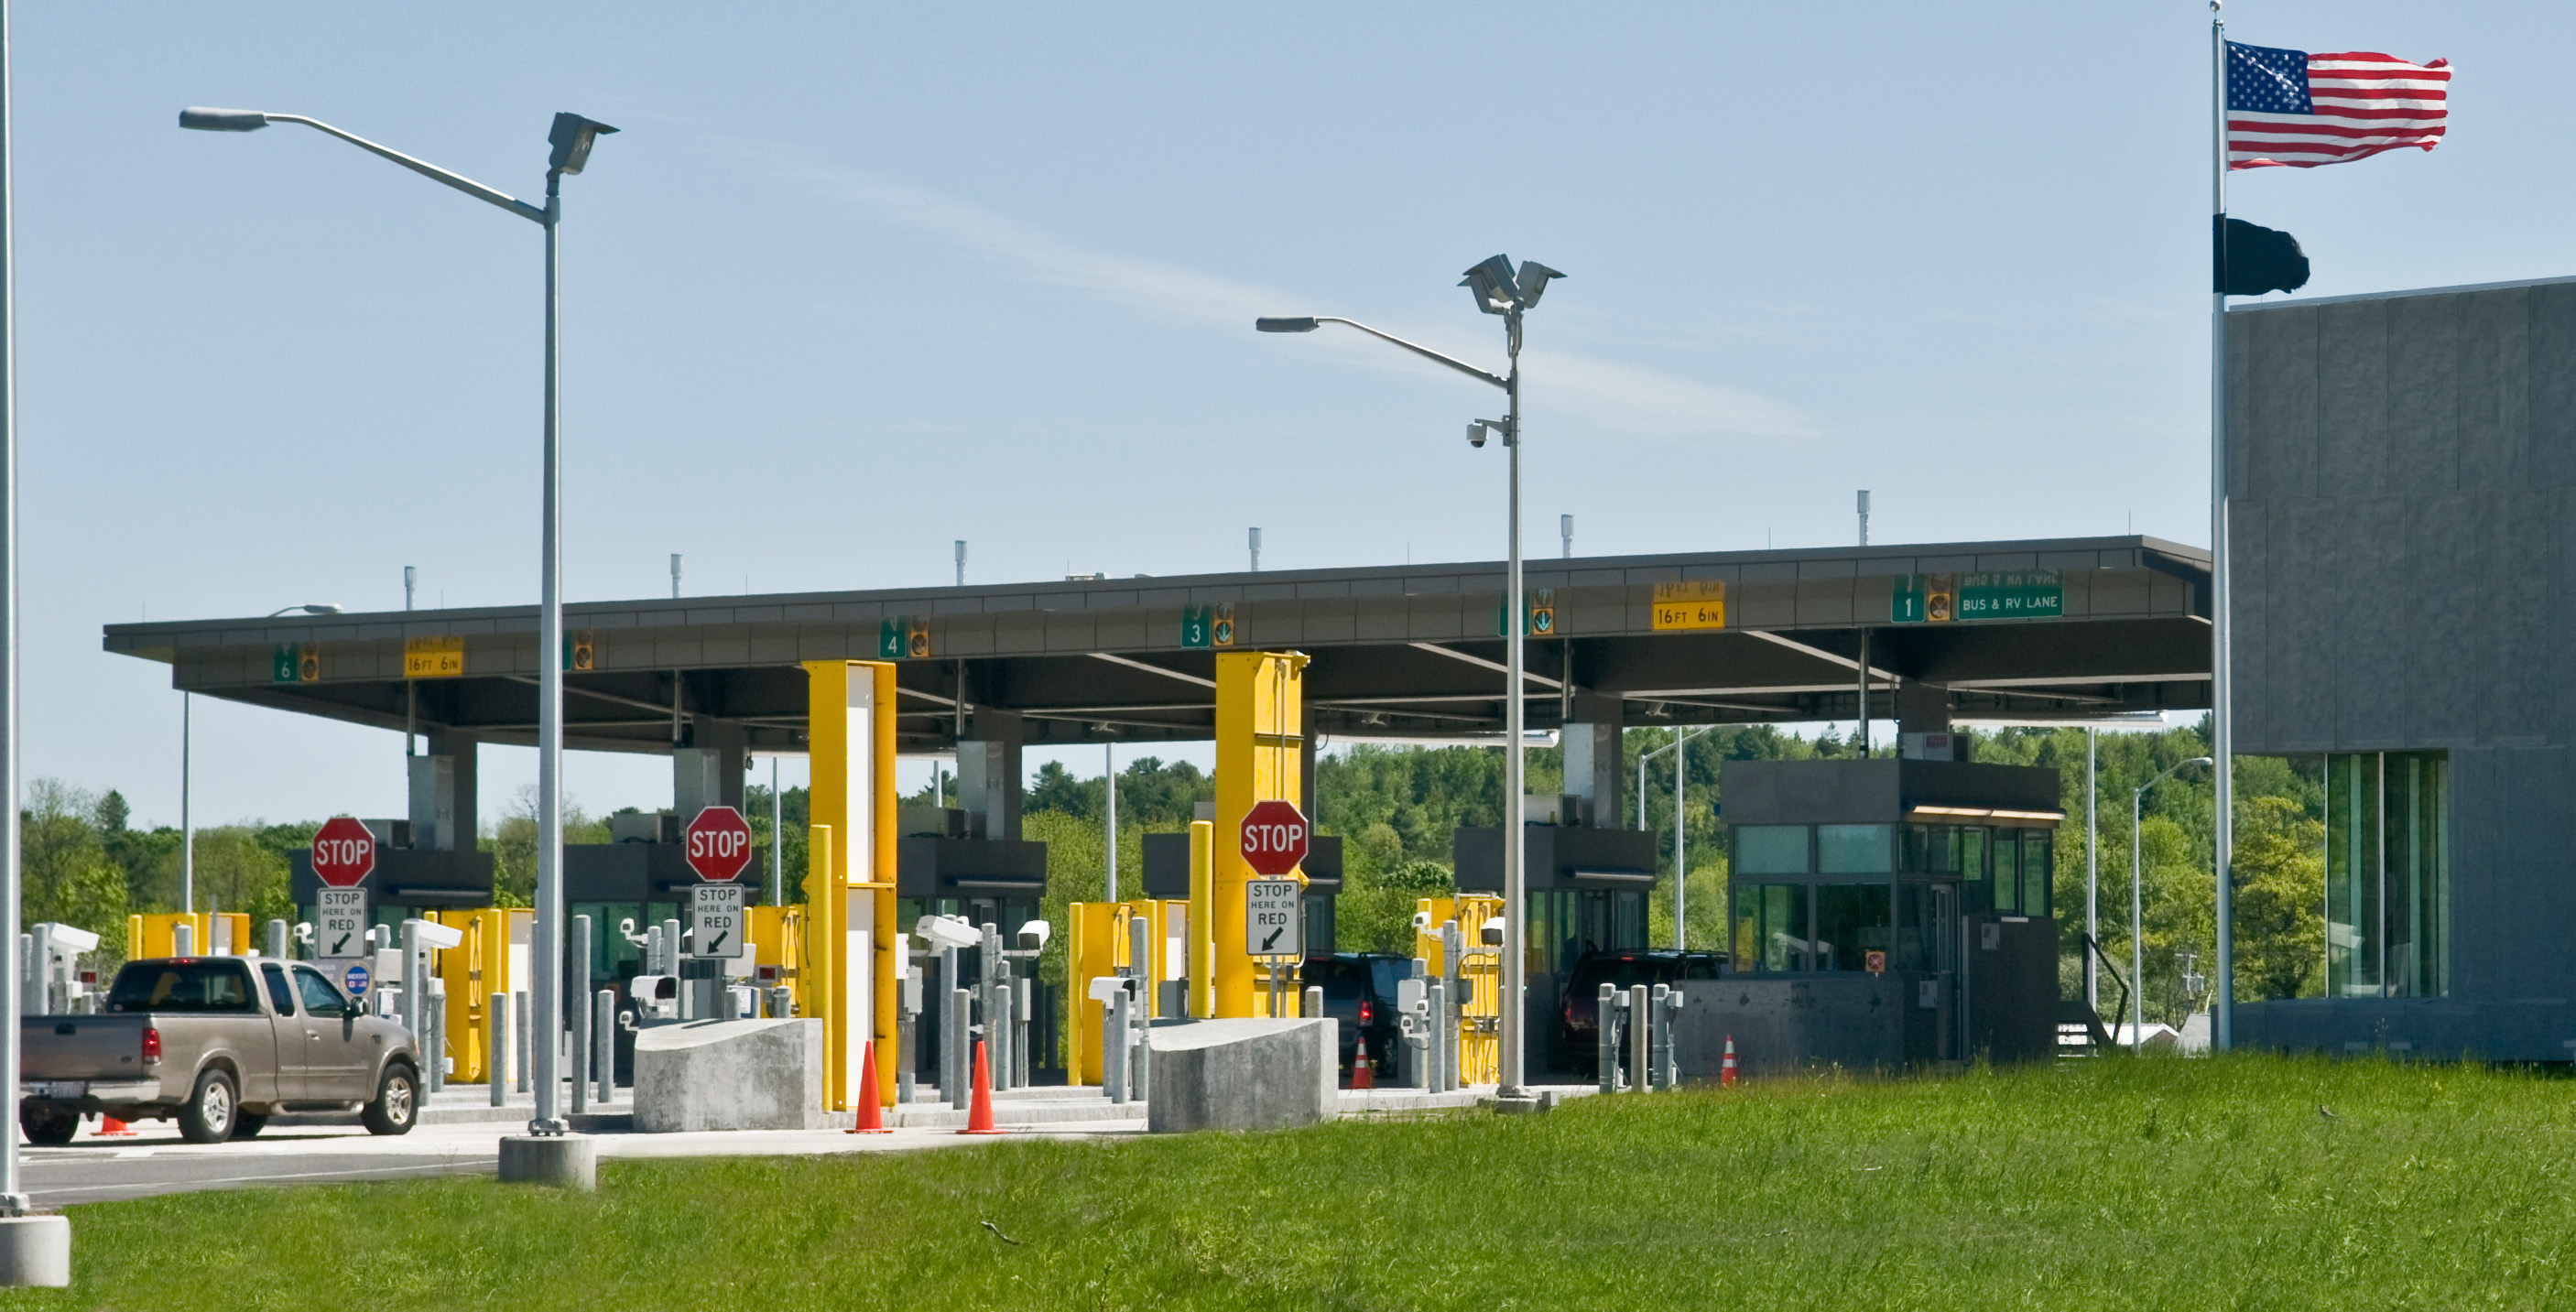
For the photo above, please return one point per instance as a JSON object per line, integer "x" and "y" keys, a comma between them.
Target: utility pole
{"x": 1864, "y": 517}
{"x": 411, "y": 578}
{"x": 675, "y": 576}
{"x": 1256, "y": 551}
{"x": 1565, "y": 530}
{"x": 961, "y": 562}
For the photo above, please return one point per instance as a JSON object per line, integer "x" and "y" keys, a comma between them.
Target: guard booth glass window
{"x": 1851, "y": 921}
{"x": 1770, "y": 849}
{"x": 2387, "y": 875}
{"x": 1854, "y": 849}
{"x": 1771, "y": 927}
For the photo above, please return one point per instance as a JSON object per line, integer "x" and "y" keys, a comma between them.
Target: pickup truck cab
{"x": 219, "y": 1044}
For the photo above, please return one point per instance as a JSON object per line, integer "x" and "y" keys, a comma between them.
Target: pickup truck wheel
{"x": 247, "y": 1125}
{"x": 49, "y": 1126}
{"x": 397, "y": 1103}
{"x": 209, "y": 1114}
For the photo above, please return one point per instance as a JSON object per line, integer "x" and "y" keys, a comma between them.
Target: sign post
{"x": 1274, "y": 929}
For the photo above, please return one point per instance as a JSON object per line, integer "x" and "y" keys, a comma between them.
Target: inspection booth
{"x": 1883, "y": 913}
{"x": 1587, "y": 893}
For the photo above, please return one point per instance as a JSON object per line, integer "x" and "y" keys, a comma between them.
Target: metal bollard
{"x": 1113, "y": 1049}
{"x": 496, "y": 1046}
{"x": 671, "y": 946}
{"x": 1003, "y": 1048}
{"x": 1605, "y": 1036}
{"x": 1668, "y": 1071}
{"x": 1659, "y": 1040}
{"x": 1311, "y": 1004}
{"x": 1440, "y": 1054}
{"x": 526, "y": 1049}
{"x": 434, "y": 1007}
{"x": 957, "y": 1051}
{"x": 277, "y": 939}
{"x": 579, "y": 963}
{"x": 1640, "y": 1036}
{"x": 907, "y": 1025}
{"x": 1025, "y": 1002}
{"x": 183, "y": 940}
{"x": 603, "y": 1041}
{"x": 1140, "y": 1060}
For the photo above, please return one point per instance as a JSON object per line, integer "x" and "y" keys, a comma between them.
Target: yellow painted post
{"x": 1202, "y": 967}
{"x": 1260, "y": 738}
{"x": 849, "y": 885}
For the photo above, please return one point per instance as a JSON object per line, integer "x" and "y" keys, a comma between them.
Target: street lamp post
{"x": 1681, "y": 900}
{"x": 1498, "y": 289}
{"x": 2138, "y": 906}
{"x": 570, "y": 139}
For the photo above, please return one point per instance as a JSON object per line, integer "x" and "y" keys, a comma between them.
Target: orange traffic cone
{"x": 111, "y": 1128}
{"x": 1363, "y": 1071}
{"x": 1726, "y": 1065}
{"x": 979, "y": 1113}
{"x": 871, "y": 1116}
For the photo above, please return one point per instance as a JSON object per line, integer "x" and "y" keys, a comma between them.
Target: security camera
{"x": 1476, "y": 433}
{"x": 1034, "y": 935}
{"x": 1421, "y": 922}
{"x": 304, "y": 931}
{"x": 948, "y": 932}
{"x": 1494, "y": 932}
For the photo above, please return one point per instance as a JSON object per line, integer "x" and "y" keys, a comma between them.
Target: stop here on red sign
{"x": 1274, "y": 837}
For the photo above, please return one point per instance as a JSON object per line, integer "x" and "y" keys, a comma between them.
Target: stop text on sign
{"x": 344, "y": 853}
{"x": 718, "y": 843}
{"x": 1273, "y": 837}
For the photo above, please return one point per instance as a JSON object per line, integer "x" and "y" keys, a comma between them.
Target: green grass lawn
{"x": 2243, "y": 1182}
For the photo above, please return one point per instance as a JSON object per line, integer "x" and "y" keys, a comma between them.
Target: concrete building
{"x": 2402, "y": 468}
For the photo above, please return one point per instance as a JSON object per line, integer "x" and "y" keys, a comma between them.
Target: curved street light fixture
{"x": 1498, "y": 289}
{"x": 308, "y": 608}
{"x": 2137, "y": 907}
{"x": 569, "y": 140}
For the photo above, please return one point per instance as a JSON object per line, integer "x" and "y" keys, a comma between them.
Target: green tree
{"x": 65, "y": 873}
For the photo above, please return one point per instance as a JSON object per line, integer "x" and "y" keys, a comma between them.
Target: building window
{"x": 1854, "y": 849}
{"x": 2387, "y": 875}
{"x": 1771, "y": 927}
{"x": 1770, "y": 849}
{"x": 1852, "y": 921}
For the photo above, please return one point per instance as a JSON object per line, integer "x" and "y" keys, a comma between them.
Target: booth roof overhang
{"x": 2120, "y": 626}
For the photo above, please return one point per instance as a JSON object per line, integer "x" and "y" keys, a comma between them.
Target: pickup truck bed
{"x": 219, "y": 1044}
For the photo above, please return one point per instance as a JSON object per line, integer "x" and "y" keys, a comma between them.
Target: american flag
{"x": 2298, "y": 110}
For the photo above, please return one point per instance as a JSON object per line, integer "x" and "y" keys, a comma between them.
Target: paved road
{"x": 157, "y": 1161}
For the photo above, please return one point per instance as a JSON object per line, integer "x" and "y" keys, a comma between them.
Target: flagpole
{"x": 2222, "y": 733}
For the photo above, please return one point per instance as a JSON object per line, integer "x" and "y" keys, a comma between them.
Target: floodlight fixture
{"x": 309, "y": 608}
{"x": 222, "y": 120}
{"x": 1490, "y": 282}
{"x": 1304, "y": 323}
{"x": 571, "y": 137}
{"x": 1532, "y": 282}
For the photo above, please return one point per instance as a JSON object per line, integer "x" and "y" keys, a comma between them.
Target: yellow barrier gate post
{"x": 1260, "y": 735}
{"x": 850, "y": 865}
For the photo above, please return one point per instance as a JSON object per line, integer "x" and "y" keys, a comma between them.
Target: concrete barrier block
{"x": 1242, "y": 1075}
{"x": 729, "y": 1075}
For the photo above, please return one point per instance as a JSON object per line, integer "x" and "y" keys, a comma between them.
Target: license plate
{"x": 67, "y": 1089}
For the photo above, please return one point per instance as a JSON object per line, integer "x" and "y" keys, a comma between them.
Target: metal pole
{"x": 1109, "y": 767}
{"x": 675, "y": 576}
{"x": 961, "y": 562}
{"x": 496, "y": 1046}
{"x": 2137, "y": 925}
{"x": 2092, "y": 875}
{"x": 1864, "y": 517}
{"x": 1863, "y": 730}
{"x": 1256, "y": 550}
{"x": 410, "y": 578}
{"x": 1515, "y": 763}
{"x": 1681, "y": 825}
{"x": 777, "y": 862}
{"x": 13, "y": 1198}
{"x": 603, "y": 1043}
{"x": 547, "y": 1024}
{"x": 2222, "y": 699}
{"x": 187, "y": 819}
{"x": 1565, "y": 530}
{"x": 578, "y": 1015}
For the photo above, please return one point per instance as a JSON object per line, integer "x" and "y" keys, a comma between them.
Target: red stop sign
{"x": 343, "y": 852}
{"x": 719, "y": 843}
{"x": 1274, "y": 837}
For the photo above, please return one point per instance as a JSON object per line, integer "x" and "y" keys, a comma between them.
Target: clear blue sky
{"x": 856, "y": 282}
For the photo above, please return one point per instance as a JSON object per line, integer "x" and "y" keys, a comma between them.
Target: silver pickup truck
{"x": 220, "y": 1044}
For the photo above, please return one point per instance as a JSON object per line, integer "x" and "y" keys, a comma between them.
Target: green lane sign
{"x": 2005, "y": 595}
{"x": 1208, "y": 626}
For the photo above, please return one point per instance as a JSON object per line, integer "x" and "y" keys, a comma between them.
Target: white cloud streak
{"x": 1619, "y": 396}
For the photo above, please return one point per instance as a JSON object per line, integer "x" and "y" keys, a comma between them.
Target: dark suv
{"x": 1359, "y": 991}
{"x": 1577, "y": 1039}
